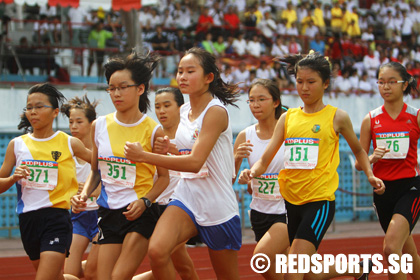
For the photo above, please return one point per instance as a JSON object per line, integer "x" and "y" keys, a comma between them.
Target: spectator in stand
{"x": 168, "y": 20}
{"x": 160, "y": 43}
{"x": 384, "y": 56}
{"x": 317, "y": 44}
{"x": 343, "y": 85}
{"x": 207, "y": 43}
{"x": 182, "y": 15}
{"x": 377, "y": 6}
{"x": 311, "y": 30}
{"x": 282, "y": 77}
{"x": 252, "y": 77}
{"x": 26, "y": 57}
{"x": 365, "y": 85}
{"x": 327, "y": 15}
{"x": 346, "y": 17}
{"x": 77, "y": 16}
{"x": 336, "y": 49}
{"x": 403, "y": 5}
{"x": 302, "y": 13}
{"x": 353, "y": 28}
{"x": 281, "y": 27}
{"x": 363, "y": 22}
{"x": 216, "y": 12}
{"x": 406, "y": 28}
{"x": 219, "y": 46}
{"x": 414, "y": 69}
{"x": 181, "y": 42}
{"x": 155, "y": 18}
{"x": 253, "y": 46}
{"x": 336, "y": 18}
{"x": 49, "y": 11}
{"x": 304, "y": 22}
{"x": 293, "y": 30}
{"x": 415, "y": 54}
{"x": 97, "y": 39}
{"x": 41, "y": 30}
{"x": 268, "y": 28}
{"x": 264, "y": 8}
{"x": 239, "y": 44}
{"x": 371, "y": 63}
{"x": 204, "y": 24}
{"x": 389, "y": 25}
{"x": 414, "y": 14}
{"x": 229, "y": 45}
{"x": 360, "y": 48}
{"x": 368, "y": 35}
{"x": 289, "y": 14}
{"x": 319, "y": 17}
{"x": 145, "y": 16}
{"x": 240, "y": 6}
{"x": 265, "y": 71}
{"x": 354, "y": 78}
{"x": 279, "y": 49}
{"x": 231, "y": 20}
{"x": 294, "y": 46}
{"x": 241, "y": 74}
{"x": 346, "y": 45}
{"x": 396, "y": 37}
{"x": 55, "y": 29}
{"x": 252, "y": 18}
{"x": 227, "y": 75}
{"x": 398, "y": 18}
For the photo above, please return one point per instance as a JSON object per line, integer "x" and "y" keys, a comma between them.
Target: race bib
{"x": 301, "y": 153}
{"x": 397, "y": 143}
{"x": 203, "y": 173}
{"x": 117, "y": 171}
{"x": 43, "y": 174}
{"x": 266, "y": 187}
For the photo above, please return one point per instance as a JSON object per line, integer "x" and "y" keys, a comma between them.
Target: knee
{"x": 391, "y": 248}
{"x": 157, "y": 254}
{"x": 185, "y": 271}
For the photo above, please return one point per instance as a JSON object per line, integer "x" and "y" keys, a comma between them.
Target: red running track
{"x": 20, "y": 268}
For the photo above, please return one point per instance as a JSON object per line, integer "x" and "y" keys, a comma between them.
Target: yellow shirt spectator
{"x": 290, "y": 15}
{"x": 305, "y": 22}
{"x": 336, "y": 17}
{"x": 319, "y": 17}
{"x": 353, "y": 28}
{"x": 346, "y": 20}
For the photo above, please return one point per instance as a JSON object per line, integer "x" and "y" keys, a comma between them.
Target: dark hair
{"x": 179, "y": 98}
{"x": 314, "y": 61}
{"x": 141, "y": 68}
{"x": 274, "y": 91}
{"x": 55, "y": 97}
{"x": 82, "y": 104}
{"x": 412, "y": 83}
{"x": 226, "y": 93}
